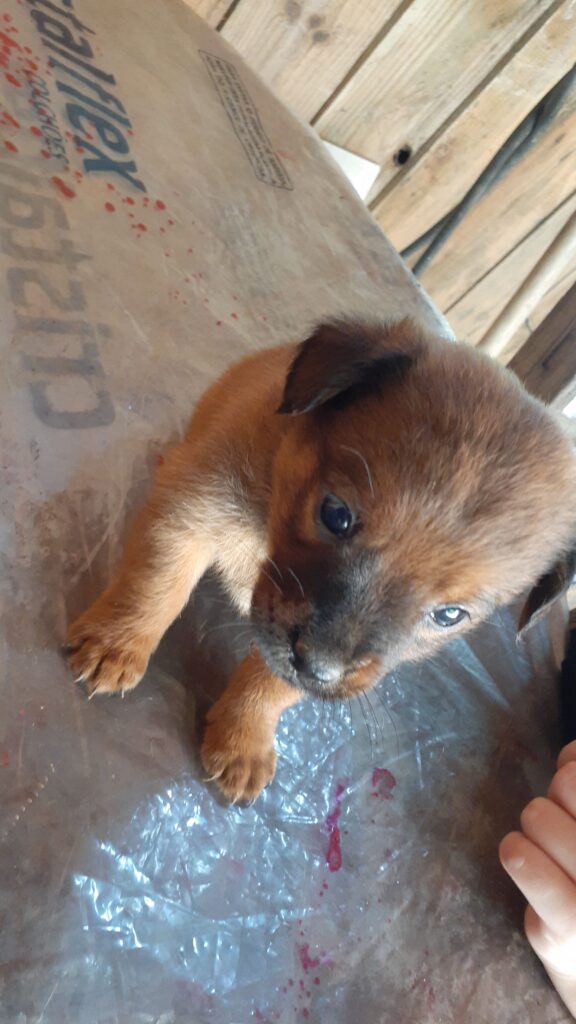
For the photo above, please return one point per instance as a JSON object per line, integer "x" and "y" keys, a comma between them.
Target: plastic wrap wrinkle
{"x": 364, "y": 883}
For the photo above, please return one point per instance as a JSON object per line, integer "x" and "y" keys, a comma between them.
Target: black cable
{"x": 512, "y": 150}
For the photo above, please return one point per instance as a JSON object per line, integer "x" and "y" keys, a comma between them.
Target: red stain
{"x": 142, "y": 227}
{"x": 234, "y": 316}
{"x": 170, "y": 221}
{"x": 110, "y": 207}
{"x": 190, "y": 250}
{"x": 32, "y": 65}
{"x": 218, "y": 323}
{"x": 11, "y": 120}
{"x": 110, "y": 187}
{"x": 128, "y": 200}
{"x": 7, "y": 17}
{"x": 35, "y": 130}
{"x": 307, "y": 962}
{"x": 383, "y": 782}
{"x": 45, "y": 153}
{"x": 62, "y": 187}
{"x": 334, "y": 852}
{"x": 160, "y": 205}
{"x": 11, "y": 147}
{"x": 13, "y": 81}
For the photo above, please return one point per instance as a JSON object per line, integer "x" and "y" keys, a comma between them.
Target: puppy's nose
{"x": 319, "y": 667}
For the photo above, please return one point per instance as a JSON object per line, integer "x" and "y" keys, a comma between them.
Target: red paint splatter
{"x": 78, "y": 175}
{"x": 13, "y": 81}
{"x": 334, "y": 853}
{"x": 307, "y": 962}
{"x": 11, "y": 120}
{"x": 32, "y": 65}
{"x": 110, "y": 207}
{"x": 7, "y": 17}
{"x": 160, "y": 205}
{"x": 110, "y": 187}
{"x": 35, "y": 130}
{"x": 383, "y": 782}
{"x": 62, "y": 187}
{"x": 10, "y": 146}
{"x": 129, "y": 200}
{"x": 45, "y": 153}
{"x": 234, "y": 316}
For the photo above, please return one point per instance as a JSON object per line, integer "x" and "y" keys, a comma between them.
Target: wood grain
{"x": 434, "y": 184}
{"x": 211, "y": 10}
{"x": 427, "y": 65}
{"x": 472, "y": 315}
{"x": 304, "y": 48}
{"x": 547, "y": 362}
{"x": 536, "y": 186}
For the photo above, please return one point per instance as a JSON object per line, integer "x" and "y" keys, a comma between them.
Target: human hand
{"x": 541, "y": 860}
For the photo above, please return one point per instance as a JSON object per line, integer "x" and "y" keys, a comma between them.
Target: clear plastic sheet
{"x": 364, "y": 883}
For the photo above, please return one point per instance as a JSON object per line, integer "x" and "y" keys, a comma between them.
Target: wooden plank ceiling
{"x": 430, "y": 90}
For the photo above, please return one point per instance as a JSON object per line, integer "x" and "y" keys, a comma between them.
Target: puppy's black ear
{"x": 549, "y": 587}
{"x": 344, "y": 356}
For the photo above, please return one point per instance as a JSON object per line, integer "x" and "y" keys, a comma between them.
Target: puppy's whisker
{"x": 366, "y": 723}
{"x": 391, "y": 717}
{"x": 359, "y": 455}
{"x": 274, "y": 565}
{"x": 292, "y": 573}
{"x": 272, "y": 580}
{"x": 375, "y": 717}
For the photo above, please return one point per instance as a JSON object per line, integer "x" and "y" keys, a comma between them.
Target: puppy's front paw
{"x": 239, "y": 757}
{"x": 104, "y": 657}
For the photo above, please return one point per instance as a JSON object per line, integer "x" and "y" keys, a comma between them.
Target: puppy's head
{"x": 417, "y": 486}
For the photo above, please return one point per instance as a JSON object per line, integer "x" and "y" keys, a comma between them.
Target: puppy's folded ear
{"x": 344, "y": 356}
{"x": 549, "y": 587}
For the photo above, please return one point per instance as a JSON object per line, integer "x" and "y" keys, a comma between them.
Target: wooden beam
{"x": 559, "y": 254}
{"x": 472, "y": 315}
{"x": 546, "y": 364}
{"x": 432, "y": 61}
{"x": 435, "y": 180}
{"x": 534, "y": 187}
{"x": 213, "y": 11}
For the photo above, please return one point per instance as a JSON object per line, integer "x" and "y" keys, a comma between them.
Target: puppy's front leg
{"x": 238, "y": 747}
{"x": 167, "y": 552}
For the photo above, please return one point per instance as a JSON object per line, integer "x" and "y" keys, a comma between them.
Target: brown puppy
{"x": 365, "y": 497}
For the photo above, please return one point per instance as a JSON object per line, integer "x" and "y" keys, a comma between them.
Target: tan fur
{"x": 465, "y": 488}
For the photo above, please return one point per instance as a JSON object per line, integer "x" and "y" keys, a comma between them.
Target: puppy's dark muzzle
{"x": 312, "y": 666}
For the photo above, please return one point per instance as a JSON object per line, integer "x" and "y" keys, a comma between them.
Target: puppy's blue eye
{"x": 449, "y": 615}
{"x": 336, "y": 516}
